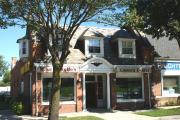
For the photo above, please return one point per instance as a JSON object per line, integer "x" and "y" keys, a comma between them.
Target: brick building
{"x": 106, "y": 68}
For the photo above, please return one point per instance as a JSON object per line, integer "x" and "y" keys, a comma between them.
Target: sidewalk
{"x": 115, "y": 115}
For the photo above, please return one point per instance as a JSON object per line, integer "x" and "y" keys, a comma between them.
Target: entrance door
{"x": 100, "y": 92}
{"x": 95, "y": 91}
{"x": 91, "y": 98}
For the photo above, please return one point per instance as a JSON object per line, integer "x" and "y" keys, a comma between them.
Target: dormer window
{"x": 23, "y": 48}
{"x": 127, "y": 48}
{"x": 24, "y": 51}
{"x": 94, "y": 47}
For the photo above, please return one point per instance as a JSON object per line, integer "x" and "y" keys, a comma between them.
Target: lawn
{"x": 161, "y": 112}
{"x": 82, "y": 118}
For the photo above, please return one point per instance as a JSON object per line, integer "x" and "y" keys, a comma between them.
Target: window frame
{"x": 61, "y": 102}
{"x": 120, "y": 47}
{"x": 87, "y": 43}
{"x": 162, "y": 88}
{"x": 131, "y": 75}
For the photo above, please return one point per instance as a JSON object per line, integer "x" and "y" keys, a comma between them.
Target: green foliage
{"x": 17, "y": 107}
{"x": 51, "y": 19}
{"x": 82, "y": 118}
{"x": 4, "y": 84}
{"x": 161, "y": 112}
{"x": 3, "y": 65}
{"x": 7, "y": 77}
{"x": 156, "y": 17}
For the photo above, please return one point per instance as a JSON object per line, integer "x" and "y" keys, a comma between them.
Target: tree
{"x": 7, "y": 77}
{"x": 3, "y": 65}
{"x": 57, "y": 20}
{"x": 156, "y": 17}
{"x": 161, "y": 17}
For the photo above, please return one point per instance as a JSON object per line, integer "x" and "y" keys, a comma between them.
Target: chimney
{"x": 13, "y": 62}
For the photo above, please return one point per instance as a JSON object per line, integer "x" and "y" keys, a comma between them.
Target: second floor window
{"x": 127, "y": 47}
{"x": 24, "y": 48}
{"x": 94, "y": 46}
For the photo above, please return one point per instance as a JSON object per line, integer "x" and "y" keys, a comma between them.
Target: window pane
{"x": 94, "y": 46}
{"x": 171, "y": 85}
{"x": 90, "y": 78}
{"x": 46, "y": 89}
{"x": 100, "y": 87}
{"x": 127, "y": 47}
{"x": 24, "y": 48}
{"x": 66, "y": 91}
{"x": 129, "y": 88}
{"x": 127, "y": 50}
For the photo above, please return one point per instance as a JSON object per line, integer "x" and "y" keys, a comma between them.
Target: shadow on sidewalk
{"x": 8, "y": 115}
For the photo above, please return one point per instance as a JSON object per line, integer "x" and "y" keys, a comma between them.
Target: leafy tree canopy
{"x": 156, "y": 17}
{"x": 57, "y": 20}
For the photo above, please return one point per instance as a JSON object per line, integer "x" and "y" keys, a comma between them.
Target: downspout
{"x": 36, "y": 111}
{"x": 149, "y": 86}
{"x": 30, "y": 86}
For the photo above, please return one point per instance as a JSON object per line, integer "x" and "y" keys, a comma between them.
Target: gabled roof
{"x": 164, "y": 47}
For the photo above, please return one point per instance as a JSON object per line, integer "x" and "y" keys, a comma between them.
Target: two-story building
{"x": 107, "y": 68}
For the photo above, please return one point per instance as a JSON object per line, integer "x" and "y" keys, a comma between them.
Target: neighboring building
{"x": 107, "y": 68}
{"x": 166, "y": 75}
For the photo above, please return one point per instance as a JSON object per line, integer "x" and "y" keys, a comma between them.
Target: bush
{"x": 17, "y": 107}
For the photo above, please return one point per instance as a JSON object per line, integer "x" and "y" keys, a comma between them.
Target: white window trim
{"x": 168, "y": 73}
{"x": 87, "y": 53}
{"x": 129, "y": 75}
{"x": 120, "y": 48}
{"x": 61, "y": 102}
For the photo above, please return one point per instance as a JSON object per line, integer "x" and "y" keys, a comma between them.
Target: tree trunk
{"x": 55, "y": 92}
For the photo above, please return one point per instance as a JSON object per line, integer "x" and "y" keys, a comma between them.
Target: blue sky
{"x": 8, "y": 46}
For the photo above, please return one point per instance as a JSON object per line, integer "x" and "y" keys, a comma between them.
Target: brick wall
{"x": 113, "y": 90}
{"x": 64, "y": 108}
{"x": 129, "y": 105}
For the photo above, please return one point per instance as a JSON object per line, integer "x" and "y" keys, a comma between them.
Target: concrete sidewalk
{"x": 106, "y": 115}
{"x": 115, "y": 115}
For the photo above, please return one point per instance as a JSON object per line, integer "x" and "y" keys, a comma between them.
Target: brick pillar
{"x": 79, "y": 95}
{"x": 113, "y": 90}
{"x": 146, "y": 89}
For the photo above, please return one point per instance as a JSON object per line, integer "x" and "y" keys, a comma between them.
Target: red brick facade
{"x": 32, "y": 83}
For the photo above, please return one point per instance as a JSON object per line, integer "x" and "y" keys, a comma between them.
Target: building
{"x": 166, "y": 73}
{"x": 106, "y": 68}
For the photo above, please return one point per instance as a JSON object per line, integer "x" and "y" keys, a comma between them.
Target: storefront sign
{"x": 133, "y": 69}
{"x": 66, "y": 68}
{"x": 169, "y": 65}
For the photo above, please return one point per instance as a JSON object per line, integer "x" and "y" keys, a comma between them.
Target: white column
{"x": 84, "y": 92}
{"x": 108, "y": 92}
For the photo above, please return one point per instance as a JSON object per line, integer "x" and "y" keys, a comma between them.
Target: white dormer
{"x": 127, "y": 48}
{"x": 94, "y": 47}
{"x": 23, "y": 47}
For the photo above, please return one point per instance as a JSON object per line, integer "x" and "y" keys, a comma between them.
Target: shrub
{"x": 17, "y": 107}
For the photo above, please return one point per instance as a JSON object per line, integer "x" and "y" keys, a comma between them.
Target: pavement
{"x": 106, "y": 115}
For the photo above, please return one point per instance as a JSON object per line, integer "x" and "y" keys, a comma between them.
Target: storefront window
{"x": 67, "y": 89}
{"x": 171, "y": 85}
{"x": 129, "y": 88}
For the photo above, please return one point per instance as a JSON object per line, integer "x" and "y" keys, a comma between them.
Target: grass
{"x": 82, "y": 118}
{"x": 161, "y": 112}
